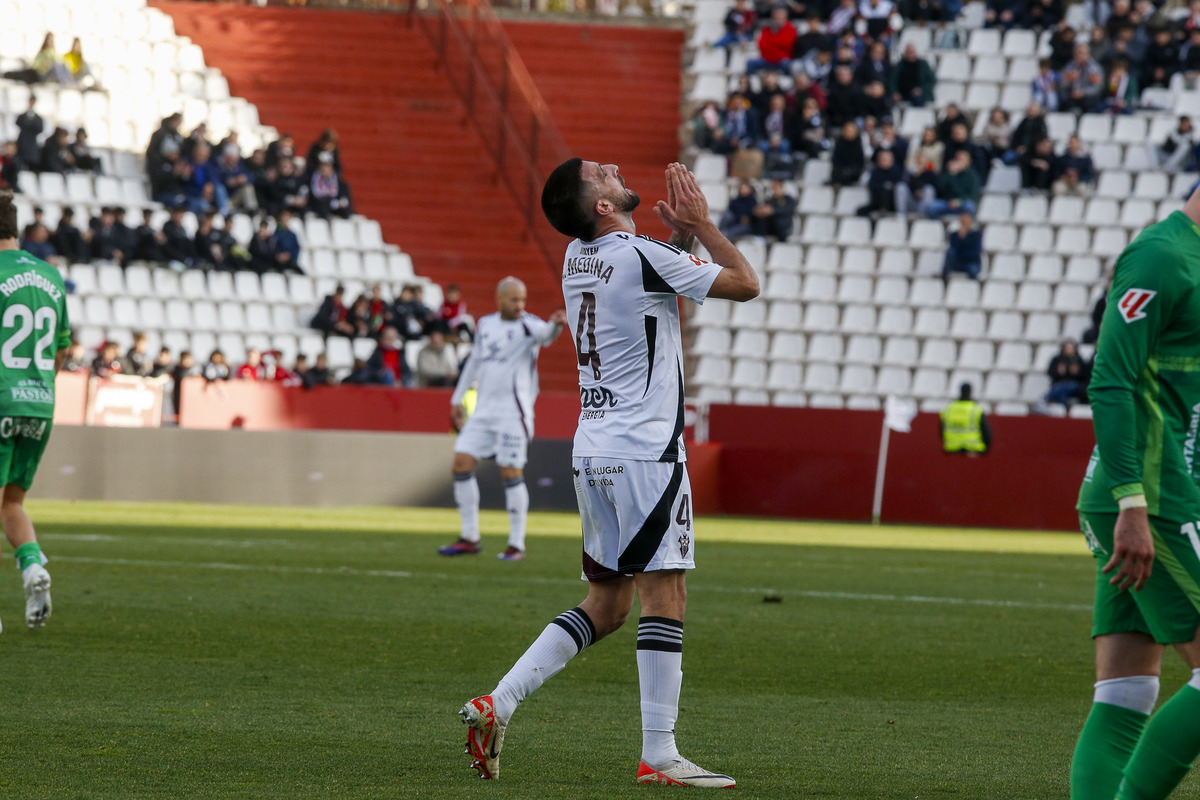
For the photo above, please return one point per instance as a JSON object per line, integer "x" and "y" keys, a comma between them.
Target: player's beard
{"x": 627, "y": 203}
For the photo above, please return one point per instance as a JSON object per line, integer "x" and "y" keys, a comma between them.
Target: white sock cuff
{"x": 1195, "y": 681}
{"x": 1137, "y": 692}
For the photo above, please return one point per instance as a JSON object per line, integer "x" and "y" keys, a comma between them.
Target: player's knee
{"x": 611, "y": 623}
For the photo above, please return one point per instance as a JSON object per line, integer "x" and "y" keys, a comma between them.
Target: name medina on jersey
{"x": 587, "y": 264}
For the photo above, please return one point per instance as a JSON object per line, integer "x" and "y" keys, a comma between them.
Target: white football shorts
{"x": 504, "y": 440}
{"x": 636, "y": 515}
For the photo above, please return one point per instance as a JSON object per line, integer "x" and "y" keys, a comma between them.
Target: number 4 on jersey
{"x": 587, "y": 325}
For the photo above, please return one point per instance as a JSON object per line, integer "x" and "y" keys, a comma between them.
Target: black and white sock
{"x": 660, "y": 675}
{"x": 562, "y": 640}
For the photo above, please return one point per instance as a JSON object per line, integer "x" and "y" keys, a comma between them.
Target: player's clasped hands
{"x": 1133, "y": 550}
{"x": 685, "y": 207}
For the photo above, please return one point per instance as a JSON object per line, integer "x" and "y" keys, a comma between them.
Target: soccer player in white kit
{"x": 503, "y": 369}
{"x": 631, "y": 481}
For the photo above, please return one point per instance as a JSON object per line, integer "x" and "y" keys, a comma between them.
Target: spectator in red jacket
{"x": 252, "y": 370}
{"x": 453, "y": 317}
{"x": 775, "y": 43}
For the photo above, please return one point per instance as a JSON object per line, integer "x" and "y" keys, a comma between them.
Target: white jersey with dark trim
{"x": 621, "y": 295}
{"x": 503, "y": 367}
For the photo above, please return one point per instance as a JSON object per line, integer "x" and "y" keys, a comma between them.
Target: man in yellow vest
{"x": 964, "y": 426}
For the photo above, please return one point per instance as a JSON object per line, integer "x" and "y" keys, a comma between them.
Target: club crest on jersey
{"x": 684, "y": 544}
{"x": 1133, "y": 303}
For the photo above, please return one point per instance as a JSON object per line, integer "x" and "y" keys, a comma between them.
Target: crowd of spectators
{"x": 58, "y": 151}
{"x": 371, "y": 315}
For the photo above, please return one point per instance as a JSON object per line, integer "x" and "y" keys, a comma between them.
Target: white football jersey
{"x": 621, "y": 296}
{"x": 503, "y": 367}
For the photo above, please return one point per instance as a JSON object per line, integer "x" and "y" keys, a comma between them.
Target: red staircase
{"x": 411, "y": 155}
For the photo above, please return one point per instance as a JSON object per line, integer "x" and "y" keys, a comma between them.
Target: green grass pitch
{"x": 232, "y": 652}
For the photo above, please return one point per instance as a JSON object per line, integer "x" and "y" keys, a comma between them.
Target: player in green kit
{"x": 1140, "y": 511}
{"x": 34, "y": 337}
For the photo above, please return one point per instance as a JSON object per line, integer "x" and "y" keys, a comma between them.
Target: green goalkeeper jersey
{"x": 33, "y": 328}
{"x": 1145, "y": 387}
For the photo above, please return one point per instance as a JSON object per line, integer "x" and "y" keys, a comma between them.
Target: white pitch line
{"x": 387, "y": 573}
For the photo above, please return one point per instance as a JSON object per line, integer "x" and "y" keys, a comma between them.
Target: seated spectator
{"x": 886, "y": 138}
{"x": 328, "y": 194}
{"x": 324, "y": 151}
{"x": 185, "y": 368}
{"x": 81, "y": 73}
{"x": 126, "y": 239}
{"x": 82, "y": 154}
{"x": 359, "y": 375}
{"x": 876, "y": 66}
{"x": 69, "y": 241}
{"x": 775, "y": 43}
{"x": 167, "y": 137}
{"x": 56, "y": 152}
{"x": 256, "y": 165}
{"x": 958, "y": 188}
{"x": 889, "y": 192}
{"x": 359, "y": 319}
{"x": 216, "y": 249}
{"x": 876, "y": 103}
{"x": 803, "y": 88}
{"x": 739, "y": 27}
{"x": 778, "y": 162}
{"x": 436, "y": 364}
{"x": 1074, "y": 170}
{"x": 198, "y": 136}
{"x": 911, "y": 80}
{"x": 849, "y": 160}
{"x": 453, "y": 317}
{"x": 137, "y": 359}
{"x": 319, "y": 374}
{"x": 236, "y": 179}
{"x": 964, "y": 249}
{"x": 149, "y": 244}
{"x": 1121, "y": 90}
{"x": 1161, "y": 60}
{"x": 379, "y": 311}
{"x": 738, "y": 218}
{"x": 997, "y": 134}
{"x": 180, "y": 247}
{"x": 1062, "y": 47}
{"x": 1037, "y": 166}
{"x": 47, "y": 66}
{"x": 926, "y": 159}
{"x": 1177, "y": 151}
{"x": 776, "y": 121}
{"x": 285, "y": 245}
{"x": 814, "y": 38}
{"x": 161, "y": 368}
{"x": 1189, "y": 56}
{"x": 262, "y": 255}
{"x": 11, "y": 166}
{"x": 1043, "y": 14}
{"x": 107, "y": 240}
{"x": 75, "y": 359}
{"x": 216, "y": 369}
{"x": 170, "y": 177}
{"x": 386, "y": 365}
{"x": 775, "y": 216}
{"x": 951, "y": 115}
{"x": 1068, "y": 376}
{"x": 253, "y": 369}
{"x": 844, "y": 100}
{"x": 1029, "y": 132}
{"x": 205, "y": 192}
{"x": 107, "y": 361}
{"x": 282, "y": 149}
{"x": 1046, "y": 86}
{"x": 741, "y": 122}
{"x": 877, "y": 14}
{"x": 706, "y": 126}
{"x": 818, "y": 65}
{"x": 960, "y": 139}
{"x": 842, "y": 18}
{"x": 332, "y": 317}
{"x": 808, "y": 133}
{"x": 284, "y": 189}
{"x": 411, "y": 316}
{"x": 1004, "y": 13}
{"x": 37, "y": 244}
{"x": 29, "y": 127}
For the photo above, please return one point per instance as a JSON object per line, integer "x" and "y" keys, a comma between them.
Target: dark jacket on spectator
{"x": 962, "y": 250}
{"x": 55, "y": 158}
{"x": 849, "y": 161}
{"x": 1029, "y": 132}
{"x": 179, "y": 246}
{"x": 29, "y": 127}
{"x": 68, "y": 241}
{"x": 1082, "y": 164}
{"x": 966, "y": 185}
{"x": 44, "y": 250}
{"x": 147, "y": 246}
{"x": 907, "y": 76}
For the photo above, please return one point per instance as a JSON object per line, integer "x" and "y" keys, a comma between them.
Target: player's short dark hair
{"x": 8, "y": 216}
{"x": 562, "y": 201}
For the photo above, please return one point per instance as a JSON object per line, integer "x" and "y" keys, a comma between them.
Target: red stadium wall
{"x": 820, "y": 464}
{"x": 413, "y": 160}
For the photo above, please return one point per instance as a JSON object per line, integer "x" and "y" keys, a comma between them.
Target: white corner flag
{"x": 898, "y": 414}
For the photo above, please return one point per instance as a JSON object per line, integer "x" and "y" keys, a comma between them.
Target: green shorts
{"x": 22, "y": 442}
{"x": 1168, "y": 606}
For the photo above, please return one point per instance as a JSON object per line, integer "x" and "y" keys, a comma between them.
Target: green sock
{"x": 1104, "y": 747}
{"x": 1164, "y": 754}
{"x": 29, "y": 553}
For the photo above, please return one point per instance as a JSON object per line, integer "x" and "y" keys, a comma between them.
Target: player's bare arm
{"x": 60, "y": 358}
{"x": 1133, "y": 550}
{"x": 688, "y": 215}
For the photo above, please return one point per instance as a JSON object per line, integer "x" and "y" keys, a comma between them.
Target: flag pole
{"x": 880, "y": 471}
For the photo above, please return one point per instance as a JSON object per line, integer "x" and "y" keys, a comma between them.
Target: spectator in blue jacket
{"x": 200, "y": 197}
{"x": 285, "y": 246}
{"x": 964, "y": 249}
{"x": 238, "y": 183}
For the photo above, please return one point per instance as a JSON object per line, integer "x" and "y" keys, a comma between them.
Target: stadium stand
{"x": 148, "y": 72}
{"x": 863, "y": 313}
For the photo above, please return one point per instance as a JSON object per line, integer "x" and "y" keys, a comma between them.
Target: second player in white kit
{"x": 503, "y": 370}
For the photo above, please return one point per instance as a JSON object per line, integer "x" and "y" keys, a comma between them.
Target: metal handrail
{"x": 503, "y": 104}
